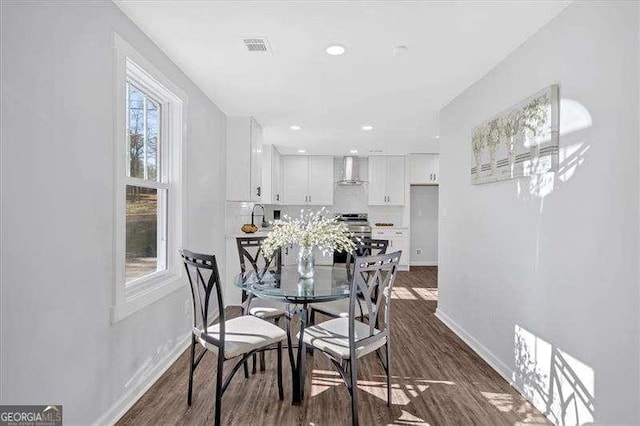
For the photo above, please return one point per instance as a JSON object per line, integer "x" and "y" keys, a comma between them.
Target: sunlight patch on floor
{"x": 402, "y": 293}
{"x": 430, "y": 294}
{"x": 401, "y": 394}
{"x": 407, "y": 418}
{"x": 507, "y": 403}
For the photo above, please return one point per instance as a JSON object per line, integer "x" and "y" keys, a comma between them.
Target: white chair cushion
{"x": 263, "y": 308}
{"x": 340, "y": 308}
{"x": 333, "y": 337}
{"x": 243, "y": 334}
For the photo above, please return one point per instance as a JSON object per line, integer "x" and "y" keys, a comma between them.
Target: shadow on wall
{"x": 574, "y": 119}
{"x": 559, "y": 385}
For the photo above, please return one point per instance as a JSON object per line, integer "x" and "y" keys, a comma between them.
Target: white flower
{"x": 310, "y": 230}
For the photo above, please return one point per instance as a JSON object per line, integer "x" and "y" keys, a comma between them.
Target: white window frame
{"x": 131, "y": 67}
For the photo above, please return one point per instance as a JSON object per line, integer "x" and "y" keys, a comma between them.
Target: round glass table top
{"x": 328, "y": 283}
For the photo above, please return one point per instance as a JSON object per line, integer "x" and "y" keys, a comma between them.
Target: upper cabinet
{"x": 386, "y": 181}
{"x": 271, "y": 175}
{"x": 244, "y": 159}
{"x": 424, "y": 169}
{"x": 308, "y": 180}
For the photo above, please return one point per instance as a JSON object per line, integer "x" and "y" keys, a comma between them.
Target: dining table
{"x": 285, "y": 285}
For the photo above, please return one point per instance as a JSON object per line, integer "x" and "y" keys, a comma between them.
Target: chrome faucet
{"x": 264, "y": 223}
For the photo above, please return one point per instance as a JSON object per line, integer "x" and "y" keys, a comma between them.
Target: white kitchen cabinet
{"x": 320, "y": 180}
{"x": 386, "y": 180}
{"x": 424, "y": 169}
{"x": 244, "y": 159}
{"x": 398, "y": 241}
{"x": 271, "y": 175}
{"x": 308, "y": 180}
{"x": 231, "y": 294}
{"x": 295, "y": 179}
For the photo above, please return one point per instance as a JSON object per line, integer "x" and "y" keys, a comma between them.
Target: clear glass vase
{"x": 306, "y": 262}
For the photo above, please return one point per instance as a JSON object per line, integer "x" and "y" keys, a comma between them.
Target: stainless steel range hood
{"x": 350, "y": 172}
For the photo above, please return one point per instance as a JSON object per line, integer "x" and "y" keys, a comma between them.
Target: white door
{"x": 395, "y": 181}
{"x": 377, "y": 181}
{"x": 321, "y": 180}
{"x": 295, "y": 179}
{"x": 276, "y": 177}
{"x": 256, "y": 161}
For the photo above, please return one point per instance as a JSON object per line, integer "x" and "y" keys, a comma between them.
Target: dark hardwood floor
{"x": 437, "y": 380}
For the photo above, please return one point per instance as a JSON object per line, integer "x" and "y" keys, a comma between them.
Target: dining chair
{"x": 252, "y": 256}
{"x": 228, "y": 338}
{"x": 344, "y": 340}
{"x": 340, "y": 308}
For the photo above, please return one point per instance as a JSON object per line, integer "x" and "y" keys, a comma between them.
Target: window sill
{"x": 161, "y": 288}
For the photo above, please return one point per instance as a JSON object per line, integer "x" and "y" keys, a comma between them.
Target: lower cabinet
{"x": 290, "y": 257}
{"x": 231, "y": 294}
{"x": 398, "y": 241}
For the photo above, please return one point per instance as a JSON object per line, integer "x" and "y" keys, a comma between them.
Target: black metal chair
{"x": 237, "y": 337}
{"x": 340, "y": 308}
{"x": 345, "y": 340}
{"x": 251, "y": 255}
{"x": 250, "y": 252}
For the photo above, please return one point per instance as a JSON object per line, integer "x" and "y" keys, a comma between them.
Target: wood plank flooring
{"x": 437, "y": 380}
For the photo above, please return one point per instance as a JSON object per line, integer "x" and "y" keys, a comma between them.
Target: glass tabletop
{"x": 328, "y": 283}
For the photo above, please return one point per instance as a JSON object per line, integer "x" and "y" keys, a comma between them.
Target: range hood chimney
{"x": 350, "y": 172}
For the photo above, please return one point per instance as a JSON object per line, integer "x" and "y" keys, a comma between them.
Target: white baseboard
{"x": 424, "y": 263}
{"x": 130, "y": 397}
{"x": 495, "y": 363}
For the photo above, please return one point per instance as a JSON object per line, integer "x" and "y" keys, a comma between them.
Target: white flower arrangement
{"x": 310, "y": 230}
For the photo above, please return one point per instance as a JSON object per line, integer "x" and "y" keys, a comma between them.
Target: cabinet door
{"x": 321, "y": 180}
{"x": 400, "y": 244}
{"x": 435, "y": 165}
{"x": 256, "y": 161}
{"x": 395, "y": 181}
{"x": 377, "y": 181}
{"x": 296, "y": 178}
{"x": 238, "y": 159}
{"x": 289, "y": 255}
{"x": 276, "y": 177}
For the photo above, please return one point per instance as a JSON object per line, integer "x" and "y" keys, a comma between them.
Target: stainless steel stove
{"x": 358, "y": 223}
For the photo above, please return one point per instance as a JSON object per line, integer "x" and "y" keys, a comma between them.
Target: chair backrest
{"x": 250, "y": 252}
{"x": 204, "y": 280}
{"x": 372, "y": 283}
{"x": 365, "y": 247}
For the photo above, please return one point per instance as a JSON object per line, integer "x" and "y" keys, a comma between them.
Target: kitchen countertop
{"x": 260, "y": 233}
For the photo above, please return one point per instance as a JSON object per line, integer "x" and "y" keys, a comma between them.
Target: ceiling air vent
{"x": 257, "y": 44}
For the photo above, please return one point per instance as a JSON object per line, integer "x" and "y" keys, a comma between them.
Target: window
{"x": 148, "y": 144}
{"x": 147, "y": 187}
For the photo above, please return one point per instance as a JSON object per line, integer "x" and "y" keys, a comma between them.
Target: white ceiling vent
{"x": 257, "y": 44}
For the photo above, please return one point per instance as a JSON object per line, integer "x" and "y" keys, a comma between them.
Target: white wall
{"x": 424, "y": 225}
{"x": 58, "y": 345}
{"x": 552, "y": 263}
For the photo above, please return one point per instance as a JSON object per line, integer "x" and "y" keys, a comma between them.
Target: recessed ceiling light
{"x": 295, "y": 127}
{"x": 336, "y": 50}
{"x": 301, "y": 151}
{"x": 354, "y": 151}
{"x": 367, "y": 128}
{"x": 400, "y": 50}
{"x": 436, "y": 137}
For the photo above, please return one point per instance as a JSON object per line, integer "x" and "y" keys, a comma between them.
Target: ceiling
{"x": 451, "y": 44}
